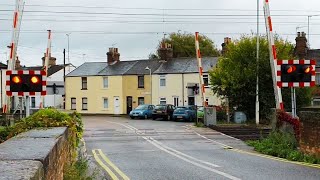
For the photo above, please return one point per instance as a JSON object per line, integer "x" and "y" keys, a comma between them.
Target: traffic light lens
{"x": 291, "y": 69}
{"x": 16, "y": 79}
{"x": 35, "y": 80}
{"x": 308, "y": 69}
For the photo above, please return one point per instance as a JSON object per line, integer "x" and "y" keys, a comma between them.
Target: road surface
{"x": 147, "y": 150}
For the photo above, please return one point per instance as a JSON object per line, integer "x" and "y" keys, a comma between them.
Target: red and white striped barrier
{"x": 273, "y": 55}
{"x": 202, "y": 86}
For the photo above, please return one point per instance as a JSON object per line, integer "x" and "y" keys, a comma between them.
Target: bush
{"x": 283, "y": 145}
{"x": 77, "y": 171}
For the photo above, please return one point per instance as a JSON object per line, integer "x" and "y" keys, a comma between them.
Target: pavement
{"x": 152, "y": 150}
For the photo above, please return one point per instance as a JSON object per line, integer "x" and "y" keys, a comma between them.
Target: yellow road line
{"x": 113, "y": 176}
{"x": 276, "y": 158}
{"x": 107, "y": 160}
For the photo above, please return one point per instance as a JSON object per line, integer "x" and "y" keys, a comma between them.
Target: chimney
{"x": 165, "y": 52}
{"x": 113, "y": 56}
{"x": 18, "y": 65}
{"x": 301, "y": 48}
{"x": 224, "y": 45}
{"x": 52, "y": 60}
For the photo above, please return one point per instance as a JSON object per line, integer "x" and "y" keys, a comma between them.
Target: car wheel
{"x": 146, "y": 116}
{"x": 154, "y": 118}
{"x": 190, "y": 119}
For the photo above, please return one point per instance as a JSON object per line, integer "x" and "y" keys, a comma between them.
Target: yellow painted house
{"x": 117, "y": 87}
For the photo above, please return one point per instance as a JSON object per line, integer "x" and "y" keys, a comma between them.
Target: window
{"x": 33, "y": 102}
{"x": 105, "y": 82}
{"x": 140, "y": 81}
{"x": 84, "y": 83}
{"x": 73, "y": 103}
{"x": 163, "y": 101}
{"x": 162, "y": 81}
{"x": 84, "y": 103}
{"x": 176, "y": 101}
{"x": 105, "y": 103}
{"x": 140, "y": 100}
{"x": 318, "y": 79}
{"x": 206, "y": 80}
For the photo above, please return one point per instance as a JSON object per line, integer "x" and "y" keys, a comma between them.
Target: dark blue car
{"x": 142, "y": 111}
{"x": 187, "y": 113}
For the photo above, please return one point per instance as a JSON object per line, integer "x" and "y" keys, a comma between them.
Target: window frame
{"x": 163, "y": 99}
{"x": 139, "y": 98}
{"x": 75, "y": 103}
{"x": 33, "y": 102}
{"x": 205, "y": 76}
{"x": 84, "y": 109}
{"x": 103, "y": 82}
{"x": 142, "y": 76}
{"x": 84, "y": 83}
{"x": 103, "y": 99}
{"x": 163, "y": 77}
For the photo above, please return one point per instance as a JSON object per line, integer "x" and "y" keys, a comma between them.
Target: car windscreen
{"x": 142, "y": 107}
{"x": 181, "y": 108}
{"x": 159, "y": 107}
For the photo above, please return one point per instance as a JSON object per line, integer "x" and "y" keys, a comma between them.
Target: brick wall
{"x": 36, "y": 154}
{"x": 310, "y": 132}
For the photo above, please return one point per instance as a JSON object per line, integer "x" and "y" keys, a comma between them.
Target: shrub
{"x": 282, "y": 145}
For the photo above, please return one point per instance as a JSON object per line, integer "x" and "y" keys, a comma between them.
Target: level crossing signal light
{"x": 296, "y": 72}
{"x": 25, "y": 83}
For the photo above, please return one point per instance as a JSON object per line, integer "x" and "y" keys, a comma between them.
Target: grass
{"x": 78, "y": 171}
{"x": 283, "y": 145}
{"x": 199, "y": 124}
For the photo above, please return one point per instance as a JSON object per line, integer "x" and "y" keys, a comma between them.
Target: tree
{"x": 235, "y": 76}
{"x": 184, "y": 46}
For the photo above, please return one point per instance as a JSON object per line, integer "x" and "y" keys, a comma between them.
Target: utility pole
{"x": 64, "y": 77}
{"x": 257, "y": 69}
{"x": 68, "y": 50}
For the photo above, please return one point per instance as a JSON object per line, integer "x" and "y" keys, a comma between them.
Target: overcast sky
{"x": 136, "y": 27}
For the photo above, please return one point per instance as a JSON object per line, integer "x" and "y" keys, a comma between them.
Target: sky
{"x": 136, "y": 27}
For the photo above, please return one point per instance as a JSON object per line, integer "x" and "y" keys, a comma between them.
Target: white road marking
{"x": 179, "y": 154}
{"x": 223, "y": 145}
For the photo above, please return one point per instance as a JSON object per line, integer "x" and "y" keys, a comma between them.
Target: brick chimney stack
{"x": 52, "y": 60}
{"x": 113, "y": 56}
{"x": 224, "y": 45}
{"x": 301, "y": 48}
{"x": 166, "y": 51}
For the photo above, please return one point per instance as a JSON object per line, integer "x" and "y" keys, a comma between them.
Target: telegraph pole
{"x": 258, "y": 51}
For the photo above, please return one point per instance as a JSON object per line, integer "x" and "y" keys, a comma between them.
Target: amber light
{"x": 16, "y": 79}
{"x": 291, "y": 69}
{"x": 35, "y": 80}
{"x": 308, "y": 69}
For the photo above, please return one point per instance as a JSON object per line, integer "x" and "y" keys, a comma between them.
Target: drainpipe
{"x": 183, "y": 89}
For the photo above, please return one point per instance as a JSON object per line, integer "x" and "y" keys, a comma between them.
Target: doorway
{"x": 129, "y": 104}
{"x": 176, "y": 101}
{"x": 191, "y": 100}
{"x": 116, "y": 105}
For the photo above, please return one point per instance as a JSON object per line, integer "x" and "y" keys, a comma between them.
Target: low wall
{"x": 310, "y": 132}
{"x": 36, "y": 154}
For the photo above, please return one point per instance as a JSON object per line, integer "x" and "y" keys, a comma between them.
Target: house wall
{"x": 95, "y": 94}
{"x": 176, "y": 86}
{"x": 130, "y": 88}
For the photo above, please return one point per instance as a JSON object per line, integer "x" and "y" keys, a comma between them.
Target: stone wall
{"x": 36, "y": 154}
{"x": 310, "y": 132}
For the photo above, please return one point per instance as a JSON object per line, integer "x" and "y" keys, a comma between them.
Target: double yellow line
{"x": 100, "y": 157}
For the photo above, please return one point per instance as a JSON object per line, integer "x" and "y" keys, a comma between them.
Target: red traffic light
{"x": 291, "y": 69}
{"x": 16, "y": 79}
{"x": 35, "y": 79}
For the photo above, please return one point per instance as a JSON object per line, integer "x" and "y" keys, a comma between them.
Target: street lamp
{"x": 148, "y": 69}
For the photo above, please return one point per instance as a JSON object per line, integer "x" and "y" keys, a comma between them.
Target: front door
{"x": 129, "y": 104}
{"x": 191, "y": 101}
{"x": 116, "y": 105}
{"x": 176, "y": 101}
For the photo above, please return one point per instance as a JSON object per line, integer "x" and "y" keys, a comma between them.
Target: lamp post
{"x": 68, "y": 35}
{"x": 148, "y": 69}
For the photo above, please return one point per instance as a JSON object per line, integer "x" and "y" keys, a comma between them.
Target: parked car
{"x": 142, "y": 111}
{"x": 164, "y": 111}
{"x": 187, "y": 113}
{"x": 200, "y": 113}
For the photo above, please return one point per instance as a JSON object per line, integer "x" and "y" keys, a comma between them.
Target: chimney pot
{"x": 166, "y": 51}
{"x": 113, "y": 56}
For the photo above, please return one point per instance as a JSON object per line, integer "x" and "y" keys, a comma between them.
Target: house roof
{"x": 51, "y": 70}
{"x": 137, "y": 67}
{"x": 3, "y": 66}
{"x": 314, "y": 54}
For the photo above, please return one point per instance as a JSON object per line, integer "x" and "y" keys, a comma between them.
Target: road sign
{"x": 26, "y": 83}
{"x": 296, "y": 73}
